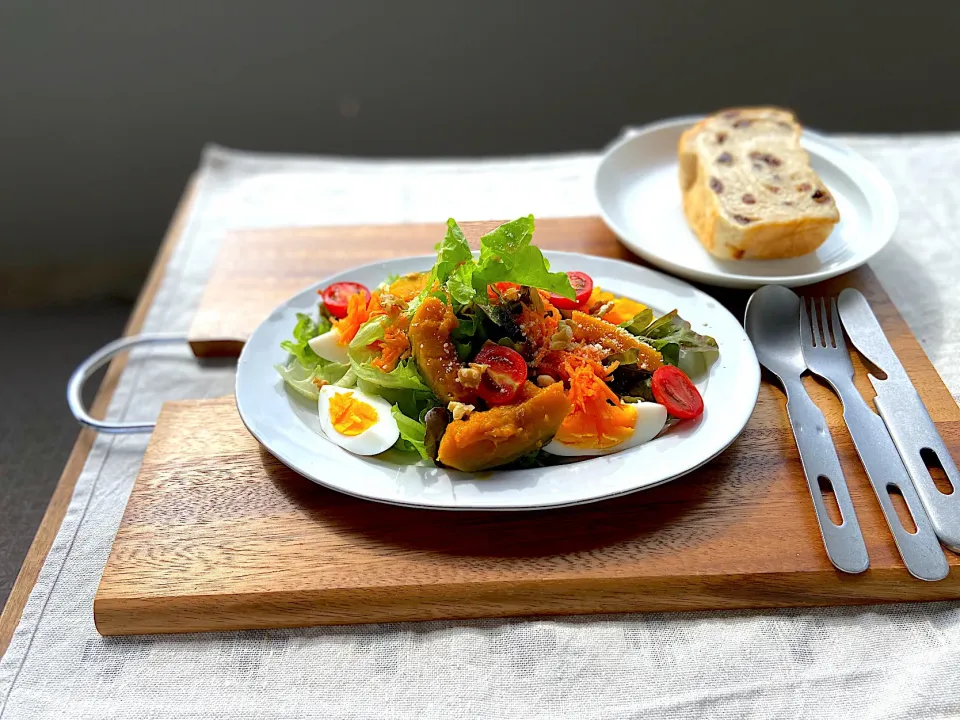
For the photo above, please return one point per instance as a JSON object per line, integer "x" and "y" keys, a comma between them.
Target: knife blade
{"x": 906, "y": 418}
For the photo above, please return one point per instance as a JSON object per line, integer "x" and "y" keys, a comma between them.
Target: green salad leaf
{"x": 412, "y": 433}
{"x": 372, "y": 330}
{"x": 507, "y": 255}
{"x": 305, "y": 366}
{"x": 671, "y": 328}
{"x": 301, "y": 378}
{"x": 470, "y": 333}
{"x": 402, "y": 386}
{"x": 404, "y": 377}
{"x": 675, "y": 339}
{"x": 305, "y": 330}
{"x": 453, "y": 252}
{"x": 639, "y": 322}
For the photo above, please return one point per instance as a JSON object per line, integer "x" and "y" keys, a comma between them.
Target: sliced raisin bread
{"x": 748, "y": 188}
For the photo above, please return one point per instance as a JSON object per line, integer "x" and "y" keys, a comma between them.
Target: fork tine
{"x": 810, "y": 309}
{"x": 824, "y": 323}
{"x": 837, "y": 325}
{"x": 806, "y": 332}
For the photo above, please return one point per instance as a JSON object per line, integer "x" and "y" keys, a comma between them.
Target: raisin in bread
{"x": 748, "y": 188}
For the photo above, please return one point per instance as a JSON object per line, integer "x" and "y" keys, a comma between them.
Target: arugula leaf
{"x": 304, "y": 331}
{"x": 507, "y": 255}
{"x": 412, "y": 433}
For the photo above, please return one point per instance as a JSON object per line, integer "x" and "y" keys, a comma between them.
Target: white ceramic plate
{"x": 638, "y": 191}
{"x": 287, "y": 424}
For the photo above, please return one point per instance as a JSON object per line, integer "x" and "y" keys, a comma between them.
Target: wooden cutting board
{"x": 218, "y": 535}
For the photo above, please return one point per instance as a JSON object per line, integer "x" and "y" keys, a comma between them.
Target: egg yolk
{"x": 597, "y": 420}
{"x": 349, "y": 415}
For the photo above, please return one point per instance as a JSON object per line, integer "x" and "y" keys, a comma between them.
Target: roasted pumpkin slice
{"x": 435, "y": 353}
{"x": 407, "y": 287}
{"x": 504, "y": 433}
{"x": 612, "y": 339}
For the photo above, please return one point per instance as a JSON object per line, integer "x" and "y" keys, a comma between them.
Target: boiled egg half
{"x": 328, "y": 346}
{"x": 356, "y": 421}
{"x": 636, "y": 424}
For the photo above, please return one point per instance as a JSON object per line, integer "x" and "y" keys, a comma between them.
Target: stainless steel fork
{"x": 825, "y": 352}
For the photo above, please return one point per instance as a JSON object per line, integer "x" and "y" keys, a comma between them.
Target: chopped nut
{"x": 470, "y": 376}
{"x": 388, "y": 300}
{"x": 562, "y": 339}
{"x": 603, "y": 309}
{"x": 545, "y": 381}
{"x": 461, "y": 411}
{"x": 319, "y": 382}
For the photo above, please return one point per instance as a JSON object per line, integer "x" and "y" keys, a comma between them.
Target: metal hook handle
{"x": 93, "y": 363}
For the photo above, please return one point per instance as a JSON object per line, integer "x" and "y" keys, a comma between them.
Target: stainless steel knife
{"x": 906, "y": 418}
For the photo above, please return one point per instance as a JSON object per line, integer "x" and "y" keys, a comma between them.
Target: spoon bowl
{"x": 772, "y": 322}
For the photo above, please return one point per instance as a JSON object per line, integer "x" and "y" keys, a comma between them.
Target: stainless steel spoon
{"x": 772, "y": 321}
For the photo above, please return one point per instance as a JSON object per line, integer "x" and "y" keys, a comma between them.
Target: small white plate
{"x": 287, "y": 424}
{"x": 638, "y": 190}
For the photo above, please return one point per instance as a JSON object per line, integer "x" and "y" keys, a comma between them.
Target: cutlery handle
{"x": 914, "y": 440}
{"x": 921, "y": 551}
{"x": 818, "y": 455}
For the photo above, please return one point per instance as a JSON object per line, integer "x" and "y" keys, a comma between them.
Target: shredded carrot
{"x": 597, "y": 419}
{"x": 539, "y": 326}
{"x": 394, "y": 346}
{"x": 357, "y": 314}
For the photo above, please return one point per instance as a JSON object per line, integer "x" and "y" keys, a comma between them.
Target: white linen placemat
{"x": 897, "y": 661}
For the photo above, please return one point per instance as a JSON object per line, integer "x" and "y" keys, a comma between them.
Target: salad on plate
{"x": 490, "y": 359}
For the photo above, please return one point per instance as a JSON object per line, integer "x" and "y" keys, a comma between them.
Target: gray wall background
{"x": 105, "y": 105}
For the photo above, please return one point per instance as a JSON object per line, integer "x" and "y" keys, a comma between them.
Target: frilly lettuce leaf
{"x": 301, "y": 378}
{"x": 305, "y": 330}
{"x": 372, "y": 330}
{"x": 506, "y": 255}
{"x": 405, "y": 376}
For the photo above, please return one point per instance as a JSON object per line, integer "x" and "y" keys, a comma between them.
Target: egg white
{"x": 651, "y": 417}
{"x": 375, "y": 439}
{"x": 328, "y": 346}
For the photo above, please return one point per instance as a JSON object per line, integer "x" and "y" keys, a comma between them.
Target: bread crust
{"x": 788, "y": 234}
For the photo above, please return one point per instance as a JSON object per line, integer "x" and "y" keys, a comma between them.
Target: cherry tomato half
{"x": 582, "y": 286}
{"x": 335, "y": 297}
{"x": 506, "y": 373}
{"x": 673, "y": 389}
{"x": 497, "y": 289}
